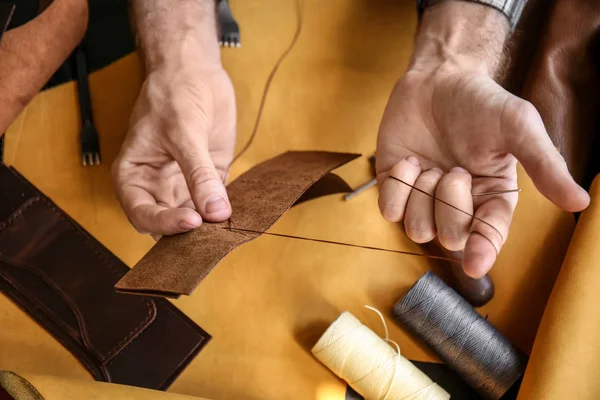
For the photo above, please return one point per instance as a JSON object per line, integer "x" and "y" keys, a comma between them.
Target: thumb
{"x": 205, "y": 185}
{"x": 529, "y": 142}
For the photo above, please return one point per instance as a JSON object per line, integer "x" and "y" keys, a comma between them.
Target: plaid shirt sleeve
{"x": 511, "y": 8}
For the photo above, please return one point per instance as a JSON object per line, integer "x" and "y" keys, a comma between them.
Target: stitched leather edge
{"x": 201, "y": 343}
{"x": 97, "y": 369}
{"x": 149, "y": 303}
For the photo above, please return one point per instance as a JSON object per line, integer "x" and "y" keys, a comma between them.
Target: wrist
{"x": 175, "y": 34}
{"x": 464, "y": 36}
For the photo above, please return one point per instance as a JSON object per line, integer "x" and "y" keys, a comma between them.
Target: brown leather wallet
{"x": 177, "y": 264}
{"x": 63, "y": 278}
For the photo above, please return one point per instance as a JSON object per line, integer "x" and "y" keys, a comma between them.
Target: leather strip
{"x": 177, "y": 264}
{"x": 63, "y": 278}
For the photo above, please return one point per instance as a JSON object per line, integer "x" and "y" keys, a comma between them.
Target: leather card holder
{"x": 63, "y": 278}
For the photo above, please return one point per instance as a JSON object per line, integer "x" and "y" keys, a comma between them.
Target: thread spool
{"x": 370, "y": 365}
{"x": 464, "y": 340}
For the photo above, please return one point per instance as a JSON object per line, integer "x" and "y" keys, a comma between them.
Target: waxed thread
{"x": 387, "y": 333}
{"x": 387, "y": 362}
{"x": 410, "y": 253}
{"x": 268, "y": 85}
{"x": 457, "y": 208}
{"x": 388, "y": 340}
{"x": 281, "y": 235}
{"x": 463, "y": 339}
{"x": 404, "y": 380}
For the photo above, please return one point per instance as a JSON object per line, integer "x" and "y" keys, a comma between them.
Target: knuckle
{"x": 204, "y": 176}
{"x": 452, "y": 182}
{"x": 140, "y": 230}
{"x": 405, "y": 170}
{"x": 136, "y": 220}
{"x": 495, "y": 235}
{"x": 520, "y": 113}
{"x": 115, "y": 170}
{"x": 137, "y": 225}
{"x": 427, "y": 182}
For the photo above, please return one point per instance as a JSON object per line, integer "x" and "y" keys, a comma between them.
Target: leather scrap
{"x": 177, "y": 264}
{"x": 63, "y": 278}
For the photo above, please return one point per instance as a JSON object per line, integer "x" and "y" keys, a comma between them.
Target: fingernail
{"x": 459, "y": 170}
{"x": 186, "y": 225}
{"x": 214, "y": 204}
{"x": 413, "y": 160}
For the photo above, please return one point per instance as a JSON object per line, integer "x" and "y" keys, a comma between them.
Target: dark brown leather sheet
{"x": 64, "y": 279}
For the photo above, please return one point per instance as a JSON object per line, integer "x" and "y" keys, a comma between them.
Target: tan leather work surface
{"x": 564, "y": 363}
{"x": 270, "y": 299}
{"x": 57, "y": 388}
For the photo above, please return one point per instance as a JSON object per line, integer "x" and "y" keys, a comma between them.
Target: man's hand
{"x": 170, "y": 172}
{"x": 451, "y": 131}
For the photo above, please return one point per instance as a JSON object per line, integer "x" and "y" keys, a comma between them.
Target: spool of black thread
{"x": 464, "y": 340}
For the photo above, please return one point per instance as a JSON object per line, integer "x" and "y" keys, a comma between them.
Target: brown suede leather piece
{"x": 259, "y": 197}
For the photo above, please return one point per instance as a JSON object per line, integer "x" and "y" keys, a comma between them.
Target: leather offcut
{"x": 177, "y": 264}
{"x": 63, "y": 278}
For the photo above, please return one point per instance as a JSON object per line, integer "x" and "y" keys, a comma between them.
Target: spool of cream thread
{"x": 370, "y": 365}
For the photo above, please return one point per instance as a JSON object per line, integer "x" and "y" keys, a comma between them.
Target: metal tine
{"x": 91, "y": 159}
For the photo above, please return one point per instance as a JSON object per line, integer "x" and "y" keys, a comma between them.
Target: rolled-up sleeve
{"x": 512, "y": 9}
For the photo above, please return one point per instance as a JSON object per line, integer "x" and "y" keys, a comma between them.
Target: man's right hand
{"x": 170, "y": 172}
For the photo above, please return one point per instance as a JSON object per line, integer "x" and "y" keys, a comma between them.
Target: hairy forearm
{"x": 175, "y": 33}
{"x": 462, "y": 34}
{"x": 31, "y": 53}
